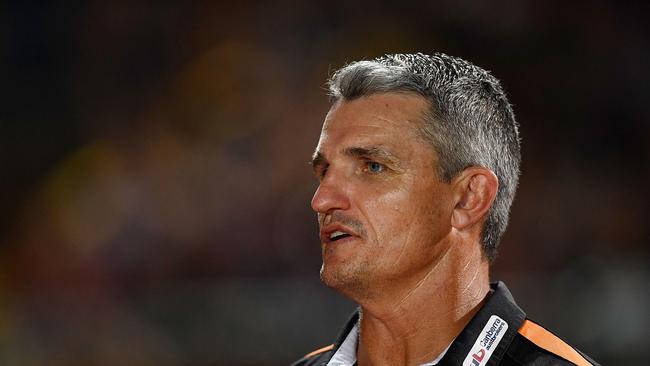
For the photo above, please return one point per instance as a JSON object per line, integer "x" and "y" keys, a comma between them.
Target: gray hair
{"x": 470, "y": 122}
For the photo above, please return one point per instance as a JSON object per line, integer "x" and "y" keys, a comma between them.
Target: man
{"x": 418, "y": 162}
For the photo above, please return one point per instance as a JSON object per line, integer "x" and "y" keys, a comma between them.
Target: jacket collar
{"x": 483, "y": 330}
{"x": 486, "y": 329}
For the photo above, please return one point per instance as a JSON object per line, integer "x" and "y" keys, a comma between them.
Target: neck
{"x": 414, "y": 321}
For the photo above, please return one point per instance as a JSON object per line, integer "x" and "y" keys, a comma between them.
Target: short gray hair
{"x": 470, "y": 122}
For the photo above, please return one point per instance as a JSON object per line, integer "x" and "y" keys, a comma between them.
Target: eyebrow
{"x": 371, "y": 153}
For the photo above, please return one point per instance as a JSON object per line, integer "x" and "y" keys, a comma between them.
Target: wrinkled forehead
{"x": 387, "y": 116}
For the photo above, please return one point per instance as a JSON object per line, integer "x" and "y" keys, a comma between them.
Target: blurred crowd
{"x": 155, "y": 188}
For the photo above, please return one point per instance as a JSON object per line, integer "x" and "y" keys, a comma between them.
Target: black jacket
{"x": 499, "y": 334}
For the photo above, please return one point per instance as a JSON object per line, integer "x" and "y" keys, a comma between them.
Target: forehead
{"x": 386, "y": 118}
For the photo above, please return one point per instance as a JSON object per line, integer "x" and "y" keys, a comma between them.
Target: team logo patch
{"x": 487, "y": 341}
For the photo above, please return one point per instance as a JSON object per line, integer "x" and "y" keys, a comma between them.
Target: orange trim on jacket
{"x": 550, "y": 342}
{"x": 320, "y": 350}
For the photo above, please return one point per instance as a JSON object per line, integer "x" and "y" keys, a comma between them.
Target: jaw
{"x": 349, "y": 282}
{"x": 346, "y": 269}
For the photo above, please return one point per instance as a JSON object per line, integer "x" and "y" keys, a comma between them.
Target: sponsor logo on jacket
{"x": 486, "y": 342}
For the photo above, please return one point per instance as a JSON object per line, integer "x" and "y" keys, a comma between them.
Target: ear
{"x": 475, "y": 189}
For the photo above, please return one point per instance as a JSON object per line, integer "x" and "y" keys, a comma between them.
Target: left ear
{"x": 475, "y": 189}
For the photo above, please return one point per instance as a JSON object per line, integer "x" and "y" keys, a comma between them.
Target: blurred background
{"x": 154, "y": 186}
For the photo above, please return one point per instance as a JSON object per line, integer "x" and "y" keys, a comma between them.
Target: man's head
{"x": 469, "y": 121}
{"x": 403, "y": 133}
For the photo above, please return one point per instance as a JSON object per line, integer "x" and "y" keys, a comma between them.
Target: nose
{"x": 330, "y": 195}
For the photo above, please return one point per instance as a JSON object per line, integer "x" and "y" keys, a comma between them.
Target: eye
{"x": 374, "y": 167}
{"x": 320, "y": 172}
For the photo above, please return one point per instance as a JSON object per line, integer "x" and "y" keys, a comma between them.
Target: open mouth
{"x": 338, "y": 235}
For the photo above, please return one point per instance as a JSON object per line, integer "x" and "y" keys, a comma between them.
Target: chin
{"x": 349, "y": 282}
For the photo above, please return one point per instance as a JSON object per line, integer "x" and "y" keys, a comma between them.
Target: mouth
{"x": 335, "y": 233}
{"x": 338, "y": 235}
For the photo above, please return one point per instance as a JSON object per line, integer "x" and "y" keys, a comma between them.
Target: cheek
{"x": 410, "y": 215}
{"x": 392, "y": 213}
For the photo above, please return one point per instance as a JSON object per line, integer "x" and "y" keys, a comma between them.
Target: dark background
{"x": 154, "y": 191}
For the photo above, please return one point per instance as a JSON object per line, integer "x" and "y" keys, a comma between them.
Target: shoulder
{"x": 315, "y": 357}
{"x": 323, "y": 355}
{"x": 535, "y": 345}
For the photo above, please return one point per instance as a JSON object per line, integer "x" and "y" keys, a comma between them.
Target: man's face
{"x": 383, "y": 213}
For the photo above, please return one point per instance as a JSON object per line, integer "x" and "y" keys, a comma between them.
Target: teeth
{"x": 337, "y": 234}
